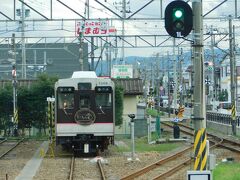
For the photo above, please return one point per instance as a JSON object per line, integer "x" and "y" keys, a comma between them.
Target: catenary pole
{"x": 175, "y": 76}
{"x": 168, "y": 68}
{"x": 199, "y": 102}
{"x": 232, "y": 69}
{"x": 199, "y": 117}
{"x": 24, "y": 70}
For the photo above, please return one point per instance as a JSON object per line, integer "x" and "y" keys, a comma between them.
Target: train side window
{"x": 65, "y": 100}
{"x": 84, "y": 102}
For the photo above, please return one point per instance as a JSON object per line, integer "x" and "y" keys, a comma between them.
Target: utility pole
{"x": 24, "y": 70}
{"x": 158, "y": 81}
{"x": 199, "y": 119}
{"x": 175, "y": 76}
{"x": 107, "y": 57}
{"x": 168, "y": 84}
{"x": 110, "y": 60}
{"x": 14, "y": 83}
{"x": 144, "y": 82}
{"x": 213, "y": 79}
{"x": 181, "y": 86}
{"x": 92, "y": 38}
{"x": 123, "y": 28}
{"x": 233, "y": 75}
{"x": 80, "y": 37}
{"x": 92, "y": 54}
{"x": 236, "y": 75}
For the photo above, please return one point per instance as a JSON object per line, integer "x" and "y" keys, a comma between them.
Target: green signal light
{"x": 178, "y": 13}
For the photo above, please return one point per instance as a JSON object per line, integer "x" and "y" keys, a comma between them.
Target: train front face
{"x": 85, "y": 115}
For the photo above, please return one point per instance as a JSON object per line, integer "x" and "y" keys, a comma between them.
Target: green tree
{"x": 25, "y": 108}
{"x": 32, "y": 102}
{"x": 223, "y": 95}
{"x": 226, "y": 94}
{"x": 43, "y": 88}
{"x": 6, "y": 108}
{"x": 119, "y": 105}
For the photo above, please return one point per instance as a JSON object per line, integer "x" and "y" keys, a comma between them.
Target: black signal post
{"x": 178, "y": 19}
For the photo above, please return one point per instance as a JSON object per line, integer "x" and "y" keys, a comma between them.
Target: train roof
{"x": 84, "y": 74}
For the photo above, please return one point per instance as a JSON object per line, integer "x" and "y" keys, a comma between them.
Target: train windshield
{"x": 84, "y": 101}
{"x": 104, "y": 100}
{"x": 65, "y": 98}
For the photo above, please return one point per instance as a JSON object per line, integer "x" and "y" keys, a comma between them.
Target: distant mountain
{"x": 146, "y": 62}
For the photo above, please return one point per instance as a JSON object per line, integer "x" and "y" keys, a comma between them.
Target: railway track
{"x": 3, "y": 141}
{"x": 100, "y": 166}
{"x": 6, "y": 150}
{"x": 222, "y": 142}
{"x": 73, "y": 167}
{"x": 163, "y": 164}
{"x": 176, "y": 165}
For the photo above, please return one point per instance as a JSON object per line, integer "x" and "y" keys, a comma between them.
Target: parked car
{"x": 225, "y": 105}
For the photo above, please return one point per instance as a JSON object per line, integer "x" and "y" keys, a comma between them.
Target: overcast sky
{"x": 49, "y": 28}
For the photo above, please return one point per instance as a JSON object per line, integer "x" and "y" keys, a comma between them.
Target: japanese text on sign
{"x": 94, "y": 28}
{"x": 122, "y": 71}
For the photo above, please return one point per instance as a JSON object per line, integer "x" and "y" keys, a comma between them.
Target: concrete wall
{"x": 223, "y": 128}
{"x": 129, "y": 107}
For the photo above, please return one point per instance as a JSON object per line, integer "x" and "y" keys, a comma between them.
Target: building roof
{"x": 58, "y": 59}
{"x": 132, "y": 86}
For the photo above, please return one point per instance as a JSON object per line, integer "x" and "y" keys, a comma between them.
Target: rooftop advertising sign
{"x": 94, "y": 28}
{"x": 122, "y": 71}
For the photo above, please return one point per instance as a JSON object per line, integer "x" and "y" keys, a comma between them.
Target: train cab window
{"x": 84, "y": 102}
{"x": 65, "y": 97}
{"x": 103, "y": 99}
{"x": 84, "y": 86}
{"x": 66, "y": 101}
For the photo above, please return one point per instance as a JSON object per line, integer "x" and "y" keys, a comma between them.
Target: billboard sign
{"x": 94, "y": 28}
{"x": 122, "y": 71}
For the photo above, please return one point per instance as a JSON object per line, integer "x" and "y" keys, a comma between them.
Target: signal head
{"x": 178, "y": 19}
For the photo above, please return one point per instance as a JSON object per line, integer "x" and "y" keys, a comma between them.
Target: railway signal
{"x": 178, "y": 19}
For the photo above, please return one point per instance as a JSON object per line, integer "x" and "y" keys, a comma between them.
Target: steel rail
{"x": 3, "y": 141}
{"x": 72, "y": 168}
{"x": 103, "y": 177}
{"x": 221, "y": 143}
{"x": 180, "y": 165}
{"x": 212, "y": 135}
{"x": 173, "y": 170}
{"x": 11, "y": 148}
{"x": 155, "y": 165}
